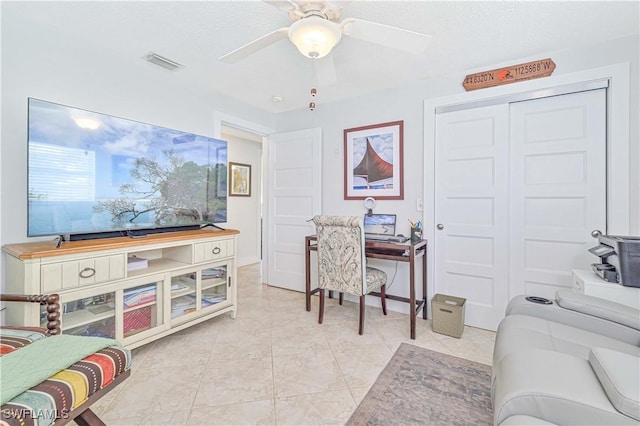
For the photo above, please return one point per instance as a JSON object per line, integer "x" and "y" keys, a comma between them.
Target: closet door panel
{"x": 557, "y": 190}
{"x": 471, "y": 249}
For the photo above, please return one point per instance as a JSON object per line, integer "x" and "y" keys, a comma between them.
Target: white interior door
{"x": 558, "y": 188}
{"x": 294, "y": 197}
{"x": 471, "y": 237}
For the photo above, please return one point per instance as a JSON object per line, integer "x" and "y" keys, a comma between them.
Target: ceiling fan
{"x": 315, "y": 31}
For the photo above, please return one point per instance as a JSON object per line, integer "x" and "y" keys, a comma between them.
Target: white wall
{"x": 406, "y": 104}
{"x": 244, "y": 213}
{"x": 68, "y": 71}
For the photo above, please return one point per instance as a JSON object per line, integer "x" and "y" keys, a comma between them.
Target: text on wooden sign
{"x": 511, "y": 74}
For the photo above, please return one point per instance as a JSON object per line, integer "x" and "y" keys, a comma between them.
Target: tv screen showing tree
{"x": 94, "y": 173}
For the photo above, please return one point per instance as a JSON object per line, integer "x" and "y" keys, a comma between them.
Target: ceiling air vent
{"x": 163, "y": 62}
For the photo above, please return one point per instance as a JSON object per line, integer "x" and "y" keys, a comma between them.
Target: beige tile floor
{"x": 273, "y": 364}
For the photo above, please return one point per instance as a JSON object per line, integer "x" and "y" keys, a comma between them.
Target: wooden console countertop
{"x": 35, "y": 250}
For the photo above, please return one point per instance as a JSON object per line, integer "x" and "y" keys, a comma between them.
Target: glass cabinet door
{"x": 214, "y": 286}
{"x": 183, "y": 294}
{"x": 197, "y": 290}
{"x": 89, "y": 316}
{"x": 142, "y": 309}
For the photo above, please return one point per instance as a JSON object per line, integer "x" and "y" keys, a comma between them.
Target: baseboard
{"x": 244, "y": 261}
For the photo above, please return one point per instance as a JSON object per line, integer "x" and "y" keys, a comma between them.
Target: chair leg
{"x": 88, "y": 418}
{"x": 341, "y": 298}
{"x": 383, "y": 299}
{"x": 321, "y": 307}
{"x": 361, "y": 330}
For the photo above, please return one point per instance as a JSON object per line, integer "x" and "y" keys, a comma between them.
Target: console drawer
{"x": 212, "y": 250}
{"x": 77, "y": 273}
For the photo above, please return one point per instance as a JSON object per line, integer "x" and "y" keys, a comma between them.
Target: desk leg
{"x": 307, "y": 266}
{"x": 412, "y": 293}
{"x": 424, "y": 284}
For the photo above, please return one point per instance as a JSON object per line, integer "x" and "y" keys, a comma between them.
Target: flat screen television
{"x": 92, "y": 175}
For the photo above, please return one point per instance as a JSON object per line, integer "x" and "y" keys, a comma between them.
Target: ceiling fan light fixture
{"x": 314, "y": 36}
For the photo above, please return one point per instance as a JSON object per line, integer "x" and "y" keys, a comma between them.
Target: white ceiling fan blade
{"x": 386, "y": 35}
{"x": 324, "y": 70}
{"x": 254, "y": 46}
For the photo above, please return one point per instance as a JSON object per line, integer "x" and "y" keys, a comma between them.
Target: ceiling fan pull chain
{"x": 312, "y": 104}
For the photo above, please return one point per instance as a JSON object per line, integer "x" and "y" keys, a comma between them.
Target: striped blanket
{"x": 44, "y": 379}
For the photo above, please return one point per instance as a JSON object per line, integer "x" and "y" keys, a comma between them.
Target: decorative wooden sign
{"x": 511, "y": 74}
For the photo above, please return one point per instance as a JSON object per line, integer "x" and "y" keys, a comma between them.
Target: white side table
{"x": 587, "y": 282}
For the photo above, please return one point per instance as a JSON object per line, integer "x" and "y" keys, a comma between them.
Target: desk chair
{"x": 342, "y": 262}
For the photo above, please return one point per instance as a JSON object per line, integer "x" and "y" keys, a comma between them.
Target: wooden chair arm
{"x": 53, "y": 307}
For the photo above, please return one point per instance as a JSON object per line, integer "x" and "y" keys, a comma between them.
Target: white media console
{"x": 135, "y": 290}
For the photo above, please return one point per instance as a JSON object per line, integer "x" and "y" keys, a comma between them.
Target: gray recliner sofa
{"x": 575, "y": 361}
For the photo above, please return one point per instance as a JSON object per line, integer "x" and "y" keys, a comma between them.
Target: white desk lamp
{"x": 369, "y": 204}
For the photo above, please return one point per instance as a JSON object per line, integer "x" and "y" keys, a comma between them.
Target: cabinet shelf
{"x": 157, "y": 265}
{"x": 140, "y": 306}
{"x": 212, "y": 299}
{"x": 85, "y": 316}
{"x": 214, "y": 282}
{"x": 184, "y": 292}
{"x": 183, "y": 285}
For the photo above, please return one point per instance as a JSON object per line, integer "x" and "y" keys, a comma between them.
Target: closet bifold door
{"x": 519, "y": 187}
{"x": 557, "y": 188}
{"x": 471, "y": 210}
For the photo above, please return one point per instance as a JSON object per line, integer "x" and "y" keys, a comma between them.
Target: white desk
{"x": 587, "y": 282}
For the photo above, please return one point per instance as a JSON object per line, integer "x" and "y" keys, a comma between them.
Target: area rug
{"x": 423, "y": 387}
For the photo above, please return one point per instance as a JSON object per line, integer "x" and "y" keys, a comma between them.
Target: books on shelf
{"x": 213, "y": 298}
{"x": 185, "y": 304}
{"x": 139, "y": 296}
{"x": 135, "y": 263}
{"x": 182, "y": 305}
{"x": 182, "y": 283}
{"x": 179, "y": 286}
{"x": 137, "y": 321}
{"x": 213, "y": 273}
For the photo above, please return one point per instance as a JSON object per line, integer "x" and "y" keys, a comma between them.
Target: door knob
{"x": 440, "y": 227}
{"x": 596, "y": 233}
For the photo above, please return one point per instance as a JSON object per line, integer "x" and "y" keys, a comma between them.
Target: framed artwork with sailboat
{"x": 373, "y": 162}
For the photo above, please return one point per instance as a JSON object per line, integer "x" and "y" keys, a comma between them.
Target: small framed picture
{"x": 373, "y": 162}
{"x": 239, "y": 180}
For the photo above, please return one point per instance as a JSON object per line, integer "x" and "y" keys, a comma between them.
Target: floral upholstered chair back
{"x": 341, "y": 259}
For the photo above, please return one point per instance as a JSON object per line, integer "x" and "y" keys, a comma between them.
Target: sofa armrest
{"x": 53, "y": 307}
{"x": 601, "y": 308}
{"x": 618, "y": 374}
{"x": 556, "y": 387}
{"x": 602, "y": 324}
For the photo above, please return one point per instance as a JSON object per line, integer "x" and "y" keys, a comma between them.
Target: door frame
{"x": 618, "y": 164}
{"x": 221, "y": 119}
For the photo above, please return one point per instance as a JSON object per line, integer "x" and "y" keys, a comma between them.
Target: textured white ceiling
{"x": 466, "y": 36}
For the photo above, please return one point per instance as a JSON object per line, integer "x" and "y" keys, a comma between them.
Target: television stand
{"x": 135, "y": 290}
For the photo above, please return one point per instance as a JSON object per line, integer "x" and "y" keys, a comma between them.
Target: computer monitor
{"x": 380, "y": 224}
